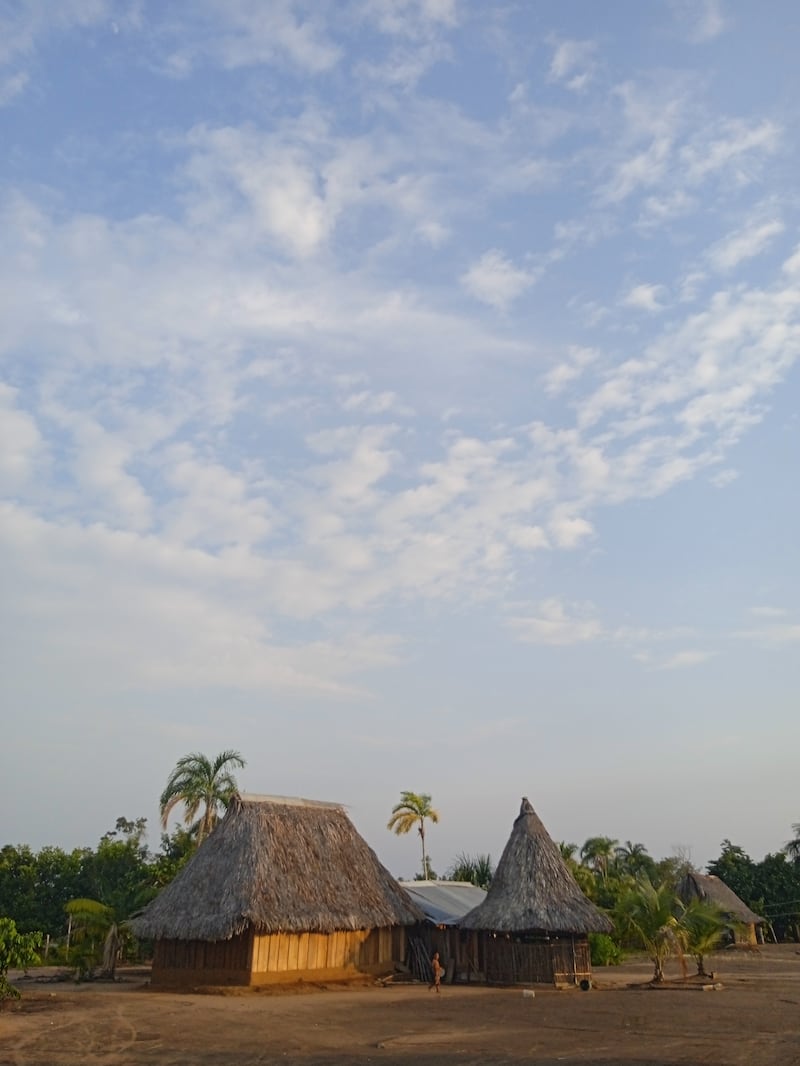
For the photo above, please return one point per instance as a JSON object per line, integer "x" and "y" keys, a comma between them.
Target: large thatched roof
{"x": 279, "y": 865}
{"x": 710, "y": 889}
{"x": 533, "y": 890}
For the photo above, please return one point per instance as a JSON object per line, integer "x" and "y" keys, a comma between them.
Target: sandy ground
{"x": 753, "y": 1019}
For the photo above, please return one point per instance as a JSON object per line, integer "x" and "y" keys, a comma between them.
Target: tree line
{"x": 73, "y": 906}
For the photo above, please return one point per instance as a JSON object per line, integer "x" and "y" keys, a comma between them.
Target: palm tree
{"x": 598, "y": 853}
{"x": 411, "y": 811}
{"x": 792, "y": 849}
{"x": 704, "y": 926}
{"x": 633, "y": 858}
{"x": 568, "y": 851}
{"x": 92, "y": 923}
{"x": 650, "y": 915}
{"x": 477, "y": 869}
{"x": 197, "y": 782}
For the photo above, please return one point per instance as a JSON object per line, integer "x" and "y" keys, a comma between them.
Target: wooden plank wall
{"x": 254, "y": 959}
{"x": 564, "y": 961}
{"x": 231, "y": 954}
{"x": 350, "y": 950}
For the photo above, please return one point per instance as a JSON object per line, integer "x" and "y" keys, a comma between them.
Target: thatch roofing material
{"x": 533, "y": 890}
{"x": 711, "y": 889}
{"x": 279, "y": 865}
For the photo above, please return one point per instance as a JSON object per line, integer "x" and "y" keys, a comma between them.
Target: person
{"x": 438, "y": 970}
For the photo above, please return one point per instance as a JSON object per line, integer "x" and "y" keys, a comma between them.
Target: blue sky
{"x": 404, "y": 393}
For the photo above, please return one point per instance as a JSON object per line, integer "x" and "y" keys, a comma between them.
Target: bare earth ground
{"x": 753, "y": 1019}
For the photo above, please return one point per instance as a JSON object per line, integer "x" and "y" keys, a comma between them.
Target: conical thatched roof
{"x": 710, "y": 889}
{"x": 279, "y": 865}
{"x": 533, "y": 890}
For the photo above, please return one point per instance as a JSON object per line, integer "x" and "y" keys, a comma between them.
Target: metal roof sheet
{"x": 444, "y": 902}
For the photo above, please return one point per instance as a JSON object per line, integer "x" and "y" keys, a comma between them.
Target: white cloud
{"x": 738, "y": 247}
{"x": 563, "y": 374}
{"x": 682, "y": 660}
{"x": 238, "y": 33}
{"x": 555, "y": 623}
{"x": 23, "y": 29}
{"x": 495, "y": 280}
{"x": 705, "y": 19}
{"x": 12, "y": 86}
{"x": 769, "y": 612}
{"x": 568, "y": 530}
{"x": 21, "y": 443}
{"x": 724, "y": 478}
{"x": 735, "y": 144}
{"x": 572, "y": 63}
{"x": 772, "y": 635}
{"x": 411, "y": 18}
{"x": 644, "y": 297}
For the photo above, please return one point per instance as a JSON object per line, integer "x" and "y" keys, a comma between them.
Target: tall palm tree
{"x": 598, "y": 853}
{"x": 197, "y": 782}
{"x": 792, "y": 849}
{"x": 633, "y": 858}
{"x": 411, "y": 812}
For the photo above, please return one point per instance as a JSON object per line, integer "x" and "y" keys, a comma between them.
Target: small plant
{"x": 604, "y": 950}
{"x": 16, "y": 950}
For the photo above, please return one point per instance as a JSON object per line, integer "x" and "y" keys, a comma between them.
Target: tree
{"x": 649, "y": 915}
{"x": 93, "y": 929}
{"x": 704, "y": 927}
{"x": 598, "y": 853}
{"x": 198, "y": 783}
{"x": 737, "y": 870}
{"x": 411, "y": 812}
{"x": 792, "y": 849}
{"x": 633, "y": 859}
{"x": 16, "y": 949}
{"x": 477, "y": 869}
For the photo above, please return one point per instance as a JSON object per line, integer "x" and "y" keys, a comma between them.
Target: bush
{"x": 16, "y": 950}
{"x": 605, "y": 951}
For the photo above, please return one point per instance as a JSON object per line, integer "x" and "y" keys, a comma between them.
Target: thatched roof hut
{"x": 533, "y": 890}
{"x": 279, "y": 867}
{"x": 710, "y": 889}
{"x": 535, "y": 920}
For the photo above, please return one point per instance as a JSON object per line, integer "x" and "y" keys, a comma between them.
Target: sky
{"x": 405, "y": 394}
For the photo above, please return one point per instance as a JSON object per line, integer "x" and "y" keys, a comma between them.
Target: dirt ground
{"x": 753, "y": 1019}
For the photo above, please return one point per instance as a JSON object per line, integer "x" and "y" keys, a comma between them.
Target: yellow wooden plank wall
{"x": 352, "y": 949}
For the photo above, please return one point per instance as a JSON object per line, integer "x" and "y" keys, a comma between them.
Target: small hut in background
{"x": 745, "y": 925}
{"x": 535, "y": 921}
{"x": 283, "y": 890}
{"x": 444, "y": 904}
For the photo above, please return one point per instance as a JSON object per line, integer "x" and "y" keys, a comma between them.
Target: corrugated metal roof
{"x": 444, "y": 902}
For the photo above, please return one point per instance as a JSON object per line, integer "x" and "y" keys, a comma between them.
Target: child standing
{"x": 438, "y": 970}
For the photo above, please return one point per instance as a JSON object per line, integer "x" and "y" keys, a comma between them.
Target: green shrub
{"x": 16, "y": 950}
{"x": 605, "y": 951}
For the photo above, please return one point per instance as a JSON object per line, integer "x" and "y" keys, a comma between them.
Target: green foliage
{"x": 704, "y": 927}
{"x": 598, "y": 854}
{"x": 792, "y": 848}
{"x": 410, "y": 813}
{"x": 16, "y": 950}
{"x": 176, "y": 850}
{"x": 203, "y": 786}
{"x": 648, "y": 916}
{"x": 477, "y": 869}
{"x": 632, "y": 860}
{"x": 605, "y": 951}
